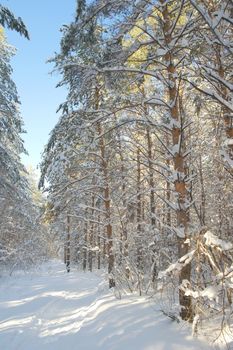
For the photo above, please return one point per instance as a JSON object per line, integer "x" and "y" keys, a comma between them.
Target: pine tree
{"x": 8, "y": 19}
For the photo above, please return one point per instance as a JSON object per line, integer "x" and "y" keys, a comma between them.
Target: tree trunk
{"x": 179, "y": 165}
{"x": 107, "y": 205}
{"x": 91, "y": 235}
{"x": 152, "y": 201}
{"x": 139, "y": 213}
{"x": 68, "y": 245}
{"x": 99, "y": 245}
{"x": 124, "y": 234}
{"x": 85, "y": 243}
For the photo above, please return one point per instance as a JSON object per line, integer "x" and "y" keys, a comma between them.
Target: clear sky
{"x": 39, "y": 97}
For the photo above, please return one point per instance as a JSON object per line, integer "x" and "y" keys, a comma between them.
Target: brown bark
{"x": 85, "y": 243}
{"x": 152, "y": 198}
{"x": 168, "y": 189}
{"x": 99, "y": 245}
{"x": 68, "y": 245}
{"x": 139, "y": 212}
{"x": 226, "y": 113}
{"x": 91, "y": 235}
{"x": 180, "y": 168}
{"x": 124, "y": 234}
{"x": 107, "y": 205}
{"x": 151, "y": 178}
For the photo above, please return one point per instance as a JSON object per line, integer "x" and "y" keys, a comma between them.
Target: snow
{"x": 175, "y": 149}
{"x": 178, "y": 265}
{"x": 161, "y": 52}
{"x": 214, "y": 241}
{"x": 210, "y": 292}
{"x": 179, "y": 231}
{"x": 52, "y": 310}
{"x": 229, "y": 142}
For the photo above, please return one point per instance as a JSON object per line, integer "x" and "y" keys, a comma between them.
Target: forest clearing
{"x": 50, "y": 309}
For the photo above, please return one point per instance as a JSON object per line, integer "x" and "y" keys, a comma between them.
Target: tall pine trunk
{"x": 68, "y": 245}
{"x": 107, "y": 200}
{"x": 179, "y": 162}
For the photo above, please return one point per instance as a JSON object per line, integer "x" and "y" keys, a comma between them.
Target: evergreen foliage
{"x": 141, "y": 158}
{"x": 8, "y": 19}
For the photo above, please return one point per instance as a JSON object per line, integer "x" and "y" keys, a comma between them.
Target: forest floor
{"x": 52, "y": 310}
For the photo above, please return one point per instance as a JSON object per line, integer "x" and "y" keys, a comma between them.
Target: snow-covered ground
{"x": 53, "y": 310}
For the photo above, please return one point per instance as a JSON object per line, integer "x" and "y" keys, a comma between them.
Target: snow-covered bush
{"x": 211, "y": 284}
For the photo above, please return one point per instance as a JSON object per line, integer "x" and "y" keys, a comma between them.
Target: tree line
{"x": 23, "y": 238}
{"x": 139, "y": 167}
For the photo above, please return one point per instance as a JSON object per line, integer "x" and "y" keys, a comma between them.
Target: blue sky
{"x": 36, "y": 87}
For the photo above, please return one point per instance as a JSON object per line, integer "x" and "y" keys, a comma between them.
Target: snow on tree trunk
{"x": 68, "y": 245}
{"x": 107, "y": 205}
{"x": 179, "y": 163}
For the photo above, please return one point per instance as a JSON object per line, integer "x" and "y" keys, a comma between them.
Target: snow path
{"x": 53, "y": 310}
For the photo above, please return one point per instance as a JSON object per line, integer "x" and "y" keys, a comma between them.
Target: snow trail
{"x": 53, "y": 310}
